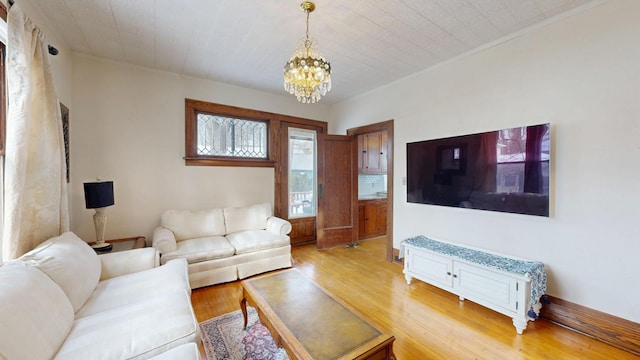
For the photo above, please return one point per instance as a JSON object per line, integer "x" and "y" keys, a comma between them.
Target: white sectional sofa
{"x": 63, "y": 301}
{"x": 224, "y": 244}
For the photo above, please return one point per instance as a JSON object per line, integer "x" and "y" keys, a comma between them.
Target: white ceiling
{"x": 369, "y": 43}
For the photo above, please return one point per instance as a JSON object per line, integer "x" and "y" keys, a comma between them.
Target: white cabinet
{"x": 506, "y": 292}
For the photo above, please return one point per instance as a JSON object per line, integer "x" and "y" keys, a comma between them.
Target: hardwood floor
{"x": 428, "y": 323}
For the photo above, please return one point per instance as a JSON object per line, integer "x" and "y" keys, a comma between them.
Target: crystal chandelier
{"x": 307, "y": 74}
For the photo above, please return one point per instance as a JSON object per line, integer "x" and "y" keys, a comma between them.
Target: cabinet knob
{"x": 448, "y": 273}
{"x": 455, "y": 276}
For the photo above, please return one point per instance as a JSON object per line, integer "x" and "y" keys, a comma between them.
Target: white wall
{"x": 127, "y": 125}
{"x": 581, "y": 74}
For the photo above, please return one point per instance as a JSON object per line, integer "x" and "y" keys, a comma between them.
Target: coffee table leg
{"x": 243, "y": 307}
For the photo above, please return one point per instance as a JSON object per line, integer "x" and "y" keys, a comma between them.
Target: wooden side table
{"x": 125, "y": 244}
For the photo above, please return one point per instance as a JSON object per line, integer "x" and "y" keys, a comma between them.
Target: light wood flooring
{"x": 428, "y": 323}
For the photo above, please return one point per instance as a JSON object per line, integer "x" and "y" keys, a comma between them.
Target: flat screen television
{"x": 505, "y": 170}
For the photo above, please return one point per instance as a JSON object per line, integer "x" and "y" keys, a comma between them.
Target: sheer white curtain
{"x": 35, "y": 191}
{"x": 3, "y": 39}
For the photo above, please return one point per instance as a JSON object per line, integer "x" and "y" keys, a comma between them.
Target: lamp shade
{"x": 98, "y": 194}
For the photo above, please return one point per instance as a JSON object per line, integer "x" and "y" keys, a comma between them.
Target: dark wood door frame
{"x": 388, "y": 127}
{"x": 303, "y": 228}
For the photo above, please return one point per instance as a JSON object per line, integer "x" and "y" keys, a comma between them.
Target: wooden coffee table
{"x": 310, "y": 323}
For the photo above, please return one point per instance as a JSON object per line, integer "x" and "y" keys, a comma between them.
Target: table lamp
{"x": 98, "y": 195}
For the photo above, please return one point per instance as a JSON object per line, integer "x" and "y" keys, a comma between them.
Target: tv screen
{"x": 505, "y": 170}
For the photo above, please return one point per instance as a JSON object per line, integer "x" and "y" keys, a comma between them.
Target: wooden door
{"x": 303, "y": 221}
{"x": 337, "y": 222}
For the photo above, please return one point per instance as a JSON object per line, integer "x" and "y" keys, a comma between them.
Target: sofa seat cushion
{"x": 35, "y": 314}
{"x": 135, "y": 331}
{"x": 200, "y": 249}
{"x": 189, "y": 224}
{"x": 255, "y": 240}
{"x": 71, "y": 263}
{"x": 139, "y": 286}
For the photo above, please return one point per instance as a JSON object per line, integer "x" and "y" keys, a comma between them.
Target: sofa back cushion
{"x": 71, "y": 263}
{"x": 36, "y": 314}
{"x": 252, "y": 217}
{"x": 191, "y": 224}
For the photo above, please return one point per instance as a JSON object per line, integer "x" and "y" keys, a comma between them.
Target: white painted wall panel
{"x": 581, "y": 74}
{"x": 127, "y": 125}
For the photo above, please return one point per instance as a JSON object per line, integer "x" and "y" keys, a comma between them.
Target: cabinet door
{"x": 362, "y": 153}
{"x": 486, "y": 286}
{"x": 371, "y": 218}
{"x": 431, "y": 268}
{"x": 382, "y": 150}
{"x": 361, "y": 220}
{"x": 372, "y": 153}
{"x": 374, "y": 156}
{"x": 382, "y": 217}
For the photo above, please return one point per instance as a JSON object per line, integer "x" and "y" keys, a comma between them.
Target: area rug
{"x": 224, "y": 339}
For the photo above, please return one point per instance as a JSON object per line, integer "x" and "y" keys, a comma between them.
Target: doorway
{"x": 296, "y": 178}
{"x": 385, "y": 127}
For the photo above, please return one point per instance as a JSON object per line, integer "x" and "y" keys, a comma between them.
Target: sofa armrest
{"x": 127, "y": 262}
{"x": 164, "y": 240}
{"x": 278, "y": 226}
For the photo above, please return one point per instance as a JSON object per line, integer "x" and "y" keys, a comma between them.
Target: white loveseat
{"x": 224, "y": 244}
{"x": 62, "y": 301}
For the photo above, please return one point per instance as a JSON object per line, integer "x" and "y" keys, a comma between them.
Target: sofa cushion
{"x": 201, "y": 249}
{"x": 189, "y": 224}
{"x": 138, "y": 286}
{"x": 247, "y": 218}
{"x": 120, "y": 263}
{"x": 134, "y": 331}
{"x": 35, "y": 313}
{"x": 255, "y": 240}
{"x": 71, "y": 263}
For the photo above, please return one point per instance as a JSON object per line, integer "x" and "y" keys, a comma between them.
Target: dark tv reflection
{"x": 505, "y": 170}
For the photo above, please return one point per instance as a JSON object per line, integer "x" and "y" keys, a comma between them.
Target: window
{"x": 302, "y": 172}
{"x": 232, "y": 137}
{"x": 221, "y": 135}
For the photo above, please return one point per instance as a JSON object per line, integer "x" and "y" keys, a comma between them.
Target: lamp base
{"x": 102, "y": 247}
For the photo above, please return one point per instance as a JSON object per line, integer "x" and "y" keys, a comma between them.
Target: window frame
{"x": 194, "y": 107}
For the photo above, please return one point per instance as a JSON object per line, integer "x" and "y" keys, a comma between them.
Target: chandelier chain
{"x": 307, "y": 42}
